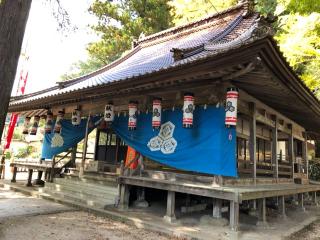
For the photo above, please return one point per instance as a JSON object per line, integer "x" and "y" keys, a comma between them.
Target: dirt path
{"x": 28, "y": 218}
{"x": 71, "y": 225}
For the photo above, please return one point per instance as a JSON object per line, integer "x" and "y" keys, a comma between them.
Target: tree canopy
{"x": 297, "y": 28}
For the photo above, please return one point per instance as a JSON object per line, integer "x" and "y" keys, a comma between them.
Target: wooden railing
{"x": 265, "y": 168}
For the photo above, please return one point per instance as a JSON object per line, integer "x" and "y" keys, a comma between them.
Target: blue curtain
{"x": 209, "y": 147}
{"x": 70, "y": 135}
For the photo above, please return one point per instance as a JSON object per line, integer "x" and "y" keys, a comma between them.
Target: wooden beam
{"x": 291, "y": 150}
{"x": 252, "y": 140}
{"x": 275, "y": 147}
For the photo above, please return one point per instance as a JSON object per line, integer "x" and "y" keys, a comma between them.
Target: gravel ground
{"x": 71, "y": 225}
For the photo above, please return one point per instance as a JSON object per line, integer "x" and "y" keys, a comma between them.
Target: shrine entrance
{"x": 110, "y": 149}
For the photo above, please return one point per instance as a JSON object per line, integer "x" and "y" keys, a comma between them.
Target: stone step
{"x": 82, "y": 191}
{"x": 112, "y": 181}
{"x": 88, "y": 186}
{"x": 78, "y": 198}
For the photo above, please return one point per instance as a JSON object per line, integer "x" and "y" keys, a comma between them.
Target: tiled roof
{"x": 154, "y": 53}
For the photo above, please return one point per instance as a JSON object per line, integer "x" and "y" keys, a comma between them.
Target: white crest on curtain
{"x": 164, "y": 142}
{"x": 57, "y": 141}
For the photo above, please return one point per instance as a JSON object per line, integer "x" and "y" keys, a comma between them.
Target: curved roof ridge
{"x": 186, "y": 26}
{"x": 70, "y": 82}
{"x": 34, "y": 93}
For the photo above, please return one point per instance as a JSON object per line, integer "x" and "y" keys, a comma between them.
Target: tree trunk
{"x": 13, "y": 19}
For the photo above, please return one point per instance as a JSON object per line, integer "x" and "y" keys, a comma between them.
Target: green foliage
{"x": 25, "y": 151}
{"x": 303, "y": 7}
{"x": 188, "y": 10}
{"x": 82, "y": 68}
{"x": 8, "y": 155}
{"x": 314, "y": 170}
{"x": 120, "y": 22}
{"x": 266, "y": 7}
{"x": 299, "y": 40}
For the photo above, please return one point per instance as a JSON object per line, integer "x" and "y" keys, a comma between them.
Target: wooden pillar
{"x": 305, "y": 154}
{"x": 291, "y": 150}
{"x": 124, "y": 197}
{"x": 14, "y": 174}
{"x": 234, "y": 215}
{"x": 29, "y": 183}
{"x": 262, "y": 214}
{"x": 217, "y": 208}
{"x": 74, "y": 155}
{"x": 301, "y": 201}
{"x": 314, "y": 198}
{"x": 252, "y": 139}
{"x": 171, "y": 204}
{"x": 84, "y": 151}
{"x": 282, "y": 207}
{"x": 2, "y": 167}
{"x": 38, "y": 181}
{"x": 39, "y": 175}
{"x": 275, "y": 148}
{"x": 52, "y": 170}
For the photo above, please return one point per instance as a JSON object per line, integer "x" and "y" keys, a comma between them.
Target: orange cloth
{"x": 132, "y": 154}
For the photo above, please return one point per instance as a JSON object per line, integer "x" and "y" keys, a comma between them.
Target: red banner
{"x": 14, "y": 116}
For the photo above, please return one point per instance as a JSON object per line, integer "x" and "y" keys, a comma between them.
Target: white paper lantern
{"x": 188, "y": 108}
{"x": 133, "y": 111}
{"x": 58, "y": 126}
{"x": 109, "y": 112}
{"x": 49, "y": 123}
{"x": 231, "y": 106}
{"x": 35, "y": 125}
{"x": 156, "y": 113}
{"x": 76, "y": 117}
{"x": 26, "y": 125}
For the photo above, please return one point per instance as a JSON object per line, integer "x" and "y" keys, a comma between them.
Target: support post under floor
{"x": 171, "y": 204}
{"x": 234, "y": 215}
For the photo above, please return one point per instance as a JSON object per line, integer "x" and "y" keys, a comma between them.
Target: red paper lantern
{"x": 231, "y": 106}
{"x": 49, "y": 123}
{"x": 58, "y": 126}
{"x": 26, "y": 125}
{"x": 133, "y": 112}
{"x": 76, "y": 117}
{"x": 156, "y": 113}
{"x": 188, "y": 108}
{"x": 35, "y": 125}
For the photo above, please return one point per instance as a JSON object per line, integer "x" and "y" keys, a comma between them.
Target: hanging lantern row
{"x": 231, "y": 106}
{"x": 188, "y": 108}
{"x": 156, "y": 113}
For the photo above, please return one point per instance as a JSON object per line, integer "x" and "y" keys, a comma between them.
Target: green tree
{"x": 188, "y": 10}
{"x": 122, "y": 22}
